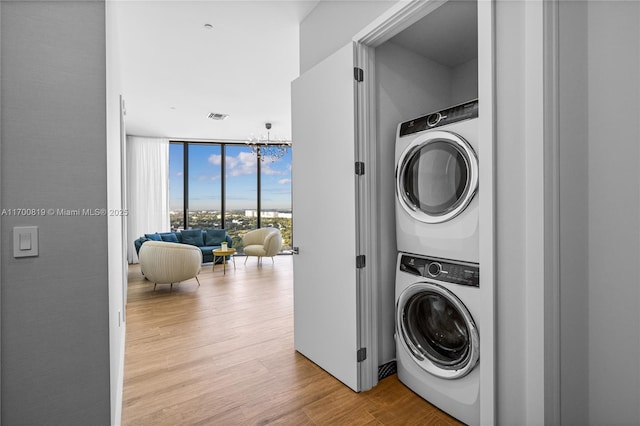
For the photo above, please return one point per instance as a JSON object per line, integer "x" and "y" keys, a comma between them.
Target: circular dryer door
{"x": 436, "y": 176}
{"x": 438, "y": 330}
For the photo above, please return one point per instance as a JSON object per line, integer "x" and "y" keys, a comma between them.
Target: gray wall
{"x": 55, "y": 319}
{"x": 599, "y": 211}
{"x": 574, "y": 219}
{"x": 614, "y": 211}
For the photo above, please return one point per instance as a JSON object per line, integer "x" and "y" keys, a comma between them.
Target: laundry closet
{"x": 346, "y": 110}
{"x": 430, "y": 66}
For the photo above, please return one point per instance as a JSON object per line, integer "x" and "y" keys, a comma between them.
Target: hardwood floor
{"x": 222, "y": 354}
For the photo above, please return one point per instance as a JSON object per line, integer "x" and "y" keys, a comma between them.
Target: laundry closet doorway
{"x": 351, "y": 284}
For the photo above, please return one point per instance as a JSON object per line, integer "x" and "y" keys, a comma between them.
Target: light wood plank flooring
{"x": 222, "y": 354}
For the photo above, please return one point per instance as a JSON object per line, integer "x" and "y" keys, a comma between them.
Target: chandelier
{"x": 265, "y": 147}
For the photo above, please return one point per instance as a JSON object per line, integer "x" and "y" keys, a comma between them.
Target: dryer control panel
{"x": 432, "y": 120}
{"x": 444, "y": 270}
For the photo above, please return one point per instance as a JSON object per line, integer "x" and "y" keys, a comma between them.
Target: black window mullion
{"x": 185, "y": 184}
{"x": 223, "y": 182}
{"x": 259, "y": 200}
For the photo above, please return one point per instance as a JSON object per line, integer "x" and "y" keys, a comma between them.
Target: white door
{"x": 324, "y": 223}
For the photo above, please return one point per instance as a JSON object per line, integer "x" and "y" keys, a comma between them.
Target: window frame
{"x": 223, "y": 181}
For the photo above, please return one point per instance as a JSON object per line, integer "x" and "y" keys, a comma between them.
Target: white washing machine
{"x": 436, "y": 184}
{"x": 437, "y": 340}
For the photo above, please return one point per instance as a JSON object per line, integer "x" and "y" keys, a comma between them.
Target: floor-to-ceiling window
{"x": 204, "y": 167}
{"x": 275, "y": 196}
{"x": 176, "y": 186}
{"x": 225, "y": 185}
{"x": 241, "y": 193}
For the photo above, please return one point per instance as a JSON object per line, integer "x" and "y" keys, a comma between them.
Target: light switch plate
{"x": 25, "y": 241}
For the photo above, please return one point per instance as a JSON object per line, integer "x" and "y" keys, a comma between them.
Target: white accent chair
{"x": 262, "y": 242}
{"x": 167, "y": 263}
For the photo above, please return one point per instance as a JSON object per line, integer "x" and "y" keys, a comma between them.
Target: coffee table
{"x": 223, "y": 254}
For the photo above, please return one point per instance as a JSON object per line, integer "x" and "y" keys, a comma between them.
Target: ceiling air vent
{"x": 217, "y": 116}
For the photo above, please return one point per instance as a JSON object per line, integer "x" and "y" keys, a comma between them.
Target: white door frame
{"x": 367, "y": 242}
{"x": 551, "y": 171}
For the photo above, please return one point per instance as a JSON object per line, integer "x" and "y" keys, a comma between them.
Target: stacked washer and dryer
{"x": 438, "y": 272}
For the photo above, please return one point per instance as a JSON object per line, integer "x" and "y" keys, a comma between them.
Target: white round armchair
{"x": 167, "y": 263}
{"x": 262, "y": 242}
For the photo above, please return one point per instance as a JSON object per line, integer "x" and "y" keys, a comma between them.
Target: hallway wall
{"x": 613, "y": 187}
{"x": 55, "y": 307}
{"x": 600, "y": 211}
{"x": 332, "y": 24}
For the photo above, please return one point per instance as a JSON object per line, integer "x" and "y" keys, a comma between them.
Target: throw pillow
{"x": 214, "y": 237}
{"x": 170, "y": 238}
{"x": 153, "y": 237}
{"x": 193, "y": 237}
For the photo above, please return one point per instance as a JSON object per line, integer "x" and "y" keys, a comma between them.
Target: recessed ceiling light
{"x": 208, "y": 26}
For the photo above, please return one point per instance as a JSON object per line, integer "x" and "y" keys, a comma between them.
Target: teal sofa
{"x": 206, "y": 240}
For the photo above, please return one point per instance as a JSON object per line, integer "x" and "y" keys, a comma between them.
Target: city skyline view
{"x": 205, "y": 188}
{"x": 205, "y": 176}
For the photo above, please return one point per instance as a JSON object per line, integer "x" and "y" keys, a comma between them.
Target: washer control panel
{"x": 444, "y": 270}
{"x": 460, "y": 112}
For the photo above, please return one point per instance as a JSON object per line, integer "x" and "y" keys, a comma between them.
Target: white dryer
{"x": 437, "y": 340}
{"x": 436, "y": 184}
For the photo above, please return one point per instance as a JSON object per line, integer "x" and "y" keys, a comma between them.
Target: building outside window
{"x": 227, "y": 186}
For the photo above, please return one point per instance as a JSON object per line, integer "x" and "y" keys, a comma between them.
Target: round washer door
{"x": 436, "y": 176}
{"x": 438, "y": 330}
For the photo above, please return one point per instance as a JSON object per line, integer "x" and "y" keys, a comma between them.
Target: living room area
{"x": 199, "y": 178}
{"x": 209, "y": 158}
{"x": 197, "y": 156}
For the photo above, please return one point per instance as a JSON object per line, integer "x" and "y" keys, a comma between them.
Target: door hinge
{"x": 358, "y": 74}
{"x": 360, "y": 261}
{"x": 362, "y": 354}
{"x": 359, "y": 168}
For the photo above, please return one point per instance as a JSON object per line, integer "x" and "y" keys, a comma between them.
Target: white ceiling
{"x": 175, "y": 72}
{"x": 448, "y": 35}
